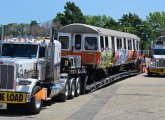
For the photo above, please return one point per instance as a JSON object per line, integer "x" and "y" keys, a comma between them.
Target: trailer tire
{"x": 35, "y": 106}
{"x": 66, "y": 90}
{"x": 72, "y": 90}
{"x": 78, "y": 87}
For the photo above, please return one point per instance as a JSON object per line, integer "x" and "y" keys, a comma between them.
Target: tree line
{"x": 148, "y": 30}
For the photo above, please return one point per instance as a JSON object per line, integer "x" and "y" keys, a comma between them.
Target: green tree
{"x": 132, "y": 23}
{"x": 157, "y": 22}
{"x": 33, "y": 23}
{"x": 111, "y": 24}
{"x": 35, "y": 29}
{"x": 17, "y": 29}
{"x": 72, "y": 14}
{"x": 23, "y": 29}
{"x": 146, "y": 35}
{"x": 11, "y": 29}
{"x": 95, "y": 21}
{"x": 102, "y": 21}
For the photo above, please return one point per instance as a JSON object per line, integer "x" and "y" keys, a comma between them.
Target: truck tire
{"x": 66, "y": 92}
{"x": 78, "y": 87}
{"x": 72, "y": 90}
{"x": 35, "y": 106}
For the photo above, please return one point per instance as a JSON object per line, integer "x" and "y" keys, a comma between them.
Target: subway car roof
{"x": 83, "y": 28}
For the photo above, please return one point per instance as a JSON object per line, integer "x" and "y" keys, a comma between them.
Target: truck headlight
{"x": 24, "y": 82}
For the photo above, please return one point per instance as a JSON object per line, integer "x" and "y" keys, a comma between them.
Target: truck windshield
{"x": 19, "y": 50}
{"x": 159, "y": 52}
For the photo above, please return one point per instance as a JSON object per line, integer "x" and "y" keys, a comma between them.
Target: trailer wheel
{"x": 78, "y": 87}
{"x": 66, "y": 89}
{"x": 35, "y": 106}
{"x": 73, "y": 90}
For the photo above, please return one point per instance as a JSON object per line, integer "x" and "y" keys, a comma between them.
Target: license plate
{"x": 3, "y": 105}
{"x": 12, "y": 97}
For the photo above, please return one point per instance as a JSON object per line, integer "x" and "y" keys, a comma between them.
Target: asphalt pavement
{"x": 136, "y": 98}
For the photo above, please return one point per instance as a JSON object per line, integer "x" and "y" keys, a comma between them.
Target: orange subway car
{"x": 98, "y": 47}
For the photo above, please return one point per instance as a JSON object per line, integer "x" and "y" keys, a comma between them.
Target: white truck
{"x": 157, "y": 65}
{"x": 32, "y": 72}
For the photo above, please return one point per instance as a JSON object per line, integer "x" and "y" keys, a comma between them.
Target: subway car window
{"x": 106, "y": 42}
{"x": 78, "y": 42}
{"x": 133, "y": 44}
{"x": 129, "y": 45}
{"x": 64, "y": 42}
{"x": 113, "y": 42}
{"x": 119, "y": 43}
{"x": 90, "y": 43}
{"x": 159, "y": 43}
{"x": 101, "y": 42}
{"x": 137, "y": 45}
{"x": 125, "y": 43}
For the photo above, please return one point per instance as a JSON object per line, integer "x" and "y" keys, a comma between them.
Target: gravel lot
{"x": 136, "y": 98}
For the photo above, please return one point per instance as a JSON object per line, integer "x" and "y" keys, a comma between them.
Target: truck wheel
{"x": 66, "y": 89}
{"x": 35, "y": 106}
{"x": 73, "y": 90}
{"x": 78, "y": 87}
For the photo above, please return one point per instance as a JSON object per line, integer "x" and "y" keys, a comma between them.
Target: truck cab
{"x": 29, "y": 72}
{"x": 157, "y": 65}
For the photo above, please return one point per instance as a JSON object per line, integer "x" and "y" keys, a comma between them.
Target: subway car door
{"x": 90, "y": 49}
{"x": 77, "y": 44}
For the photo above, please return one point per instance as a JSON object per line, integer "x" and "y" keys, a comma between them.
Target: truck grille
{"x": 6, "y": 76}
{"x": 160, "y": 63}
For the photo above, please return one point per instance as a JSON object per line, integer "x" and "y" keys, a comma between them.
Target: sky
{"x": 23, "y": 11}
